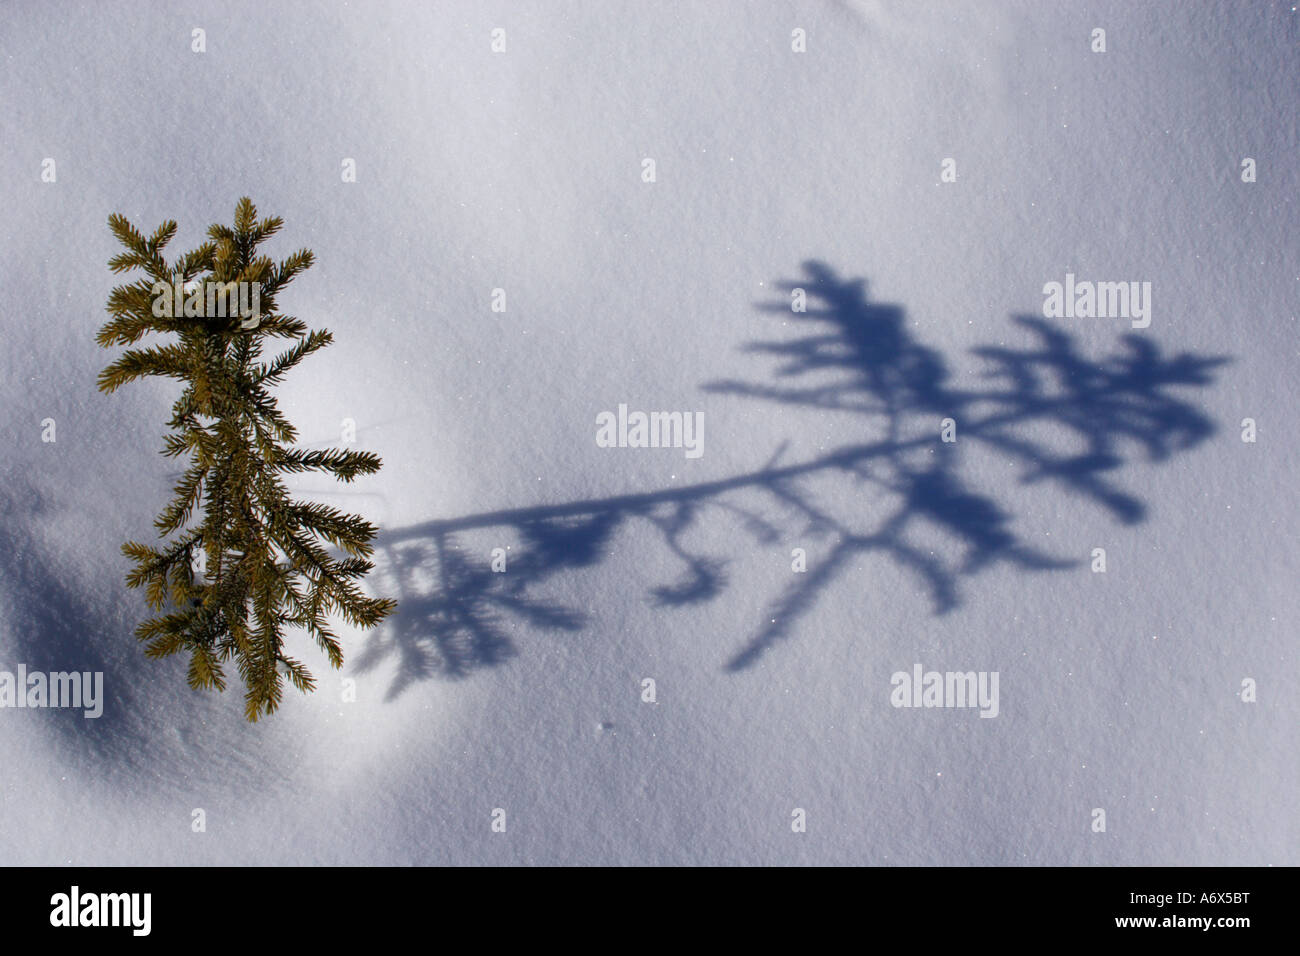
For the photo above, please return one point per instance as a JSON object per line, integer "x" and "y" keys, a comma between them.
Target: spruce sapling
{"x": 240, "y": 560}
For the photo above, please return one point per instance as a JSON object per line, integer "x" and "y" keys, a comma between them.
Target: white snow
{"x": 522, "y": 170}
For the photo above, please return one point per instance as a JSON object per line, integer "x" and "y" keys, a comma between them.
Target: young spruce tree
{"x": 243, "y": 561}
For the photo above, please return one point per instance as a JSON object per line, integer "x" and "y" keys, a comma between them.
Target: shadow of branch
{"x": 856, "y": 356}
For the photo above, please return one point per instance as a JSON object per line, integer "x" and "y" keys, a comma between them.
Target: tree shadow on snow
{"x": 854, "y": 357}
{"x": 53, "y": 620}
{"x": 51, "y": 625}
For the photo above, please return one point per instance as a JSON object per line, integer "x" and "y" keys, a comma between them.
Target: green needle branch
{"x": 239, "y": 560}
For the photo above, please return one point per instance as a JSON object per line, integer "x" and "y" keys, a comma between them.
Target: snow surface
{"x": 521, "y": 170}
